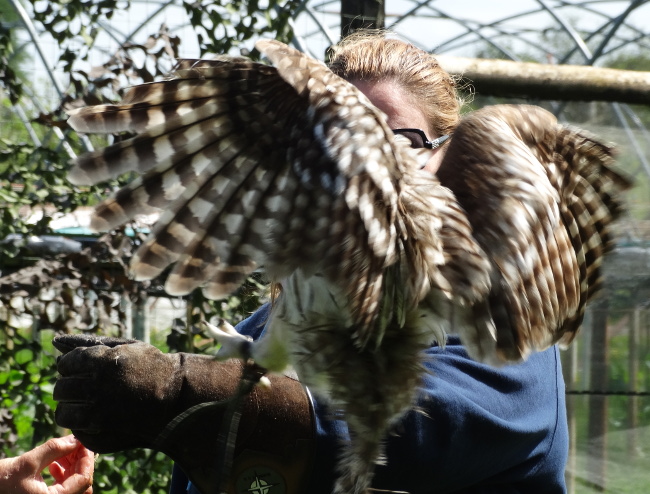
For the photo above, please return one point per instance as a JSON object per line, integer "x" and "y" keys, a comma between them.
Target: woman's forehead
{"x": 395, "y": 102}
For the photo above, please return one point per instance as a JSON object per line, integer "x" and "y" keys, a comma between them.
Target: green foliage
{"x": 72, "y": 24}
{"x": 626, "y": 450}
{"x": 26, "y": 380}
{"x": 8, "y": 76}
{"x": 137, "y": 471}
{"x": 224, "y": 25}
{"x": 627, "y": 416}
{"x": 10, "y": 57}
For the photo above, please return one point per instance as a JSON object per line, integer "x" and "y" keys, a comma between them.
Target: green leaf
{"x": 16, "y": 377}
{"x": 8, "y": 196}
{"x": 23, "y": 356}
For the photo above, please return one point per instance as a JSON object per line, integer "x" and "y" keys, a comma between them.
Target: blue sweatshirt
{"x": 479, "y": 430}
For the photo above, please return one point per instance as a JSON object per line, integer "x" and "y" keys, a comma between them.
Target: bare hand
{"x": 69, "y": 463}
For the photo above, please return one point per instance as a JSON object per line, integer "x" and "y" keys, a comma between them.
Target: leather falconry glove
{"x": 117, "y": 394}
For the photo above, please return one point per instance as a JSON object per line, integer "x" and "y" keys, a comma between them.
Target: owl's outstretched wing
{"x": 540, "y": 198}
{"x": 283, "y": 167}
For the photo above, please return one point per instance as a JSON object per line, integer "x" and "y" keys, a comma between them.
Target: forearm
{"x": 274, "y": 435}
{"x": 131, "y": 395}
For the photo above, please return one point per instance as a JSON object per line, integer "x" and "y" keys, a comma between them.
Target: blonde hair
{"x": 370, "y": 55}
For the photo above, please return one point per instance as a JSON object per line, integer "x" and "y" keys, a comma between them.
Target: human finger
{"x": 75, "y": 484}
{"x": 74, "y": 473}
{"x": 55, "y": 448}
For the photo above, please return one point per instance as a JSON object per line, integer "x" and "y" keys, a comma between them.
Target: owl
{"x": 289, "y": 169}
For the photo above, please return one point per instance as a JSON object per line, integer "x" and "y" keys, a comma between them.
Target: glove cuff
{"x": 279, "y": 449}
{"x": 274, "y": 442}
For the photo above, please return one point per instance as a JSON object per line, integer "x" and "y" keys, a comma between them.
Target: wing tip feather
{"x": 178, "y": 286}
{"x": 78, "y": 176}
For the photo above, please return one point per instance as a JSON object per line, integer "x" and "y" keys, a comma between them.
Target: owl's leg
{"x": 233, "y": 344}
{"x": 269, "y": 352}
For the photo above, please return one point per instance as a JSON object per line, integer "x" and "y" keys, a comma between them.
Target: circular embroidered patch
{"x": 260, "y": 480}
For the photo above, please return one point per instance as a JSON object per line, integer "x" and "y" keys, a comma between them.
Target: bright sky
{"x": 424, "y": 26}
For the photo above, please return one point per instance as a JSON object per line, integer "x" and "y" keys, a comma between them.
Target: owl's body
{"x": 291, "y": 169}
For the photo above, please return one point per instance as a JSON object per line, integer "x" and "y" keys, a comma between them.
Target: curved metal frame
{"x": 319, "y": 20}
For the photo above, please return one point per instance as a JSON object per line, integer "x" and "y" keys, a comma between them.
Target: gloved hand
{"x": 117, "y": 394}
{"x": 120, "y": 394}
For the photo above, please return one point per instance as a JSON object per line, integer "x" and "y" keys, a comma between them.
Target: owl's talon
{"x": 264, "y": 383}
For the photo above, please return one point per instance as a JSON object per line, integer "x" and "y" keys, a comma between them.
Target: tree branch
{"x": 550, "y": 82}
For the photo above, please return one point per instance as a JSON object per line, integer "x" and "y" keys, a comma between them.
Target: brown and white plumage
{"x": 290, "y": 168}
